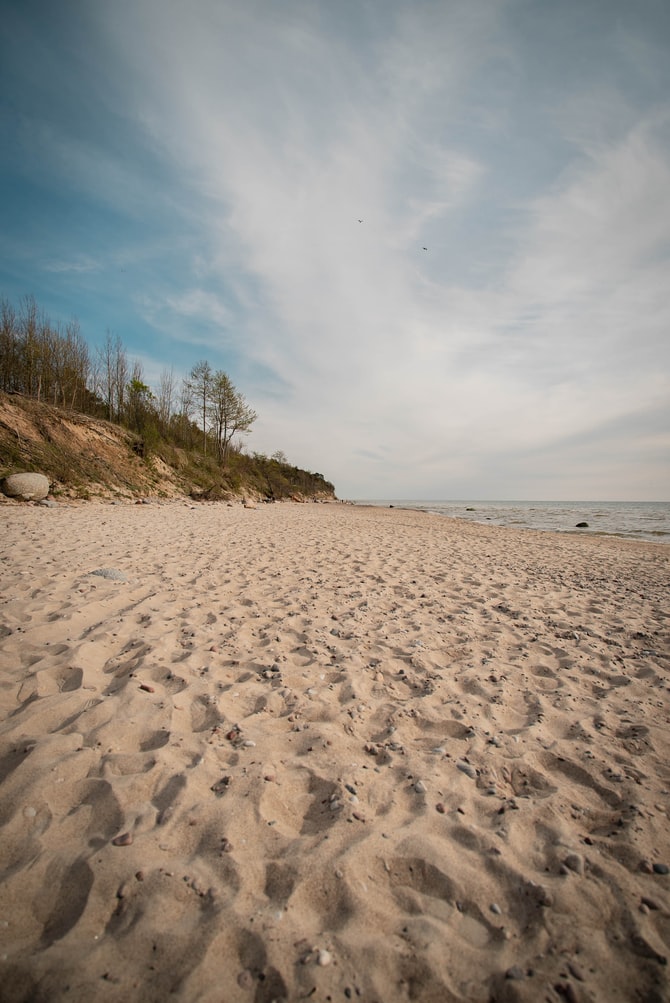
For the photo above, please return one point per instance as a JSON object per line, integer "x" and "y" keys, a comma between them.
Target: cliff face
{"x": 87, "y": 457}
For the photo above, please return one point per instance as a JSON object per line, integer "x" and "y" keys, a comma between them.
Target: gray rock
{"x": 112, "y": 573}
{"x": 27, "y": 487}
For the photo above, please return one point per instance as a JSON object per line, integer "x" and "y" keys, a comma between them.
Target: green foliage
{"x": 197, "y": 439}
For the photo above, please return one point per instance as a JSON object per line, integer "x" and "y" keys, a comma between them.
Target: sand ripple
{"x": 327, "y": 752}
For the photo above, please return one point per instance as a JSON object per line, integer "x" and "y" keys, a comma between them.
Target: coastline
{"x": 627, "y": 520}
{"x": 330, "y": 751}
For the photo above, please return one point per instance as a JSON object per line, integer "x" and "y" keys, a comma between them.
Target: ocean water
{"x": 632, "y": 520}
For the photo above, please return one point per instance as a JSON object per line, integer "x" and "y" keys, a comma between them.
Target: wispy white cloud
{"x": 82, "y": 263}
{"x": 525, "y": 346}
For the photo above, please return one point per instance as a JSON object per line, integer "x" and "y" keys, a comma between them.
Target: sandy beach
{"x": 330, "y": 752}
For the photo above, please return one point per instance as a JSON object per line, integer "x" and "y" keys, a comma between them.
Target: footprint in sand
{"x": 96, "y": 801}
{"x": 64, "y": 899}
{"x": 165, "y": 799}
{"x": 204, "y": 715}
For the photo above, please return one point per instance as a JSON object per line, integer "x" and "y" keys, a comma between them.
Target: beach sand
{"x": 330, "y": 752}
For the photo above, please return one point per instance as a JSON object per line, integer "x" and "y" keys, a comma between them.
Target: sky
{"x": 428, "y": 241}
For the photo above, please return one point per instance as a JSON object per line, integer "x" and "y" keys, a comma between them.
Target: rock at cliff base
{"x": 26, "y": 487}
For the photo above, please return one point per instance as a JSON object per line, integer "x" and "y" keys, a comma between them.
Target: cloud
{"x": 372, "y": 336}
{"x": 254, "y": 138}
{"x": 82, "y": 264}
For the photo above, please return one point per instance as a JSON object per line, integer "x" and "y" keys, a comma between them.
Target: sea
{"x": 631, "y": 520}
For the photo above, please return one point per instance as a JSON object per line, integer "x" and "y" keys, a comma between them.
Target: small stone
{"x": 147, "y": 688}
{"x": 139, "y": 875}
{"x": 515, "y": 973}
{"x": 125, "y": 839}
{"x": 650, "y": 903}
{"x": 661, "y": 869}
{"x": 222, "y": 785}
{"x": 440, "y": 808}
{"x": 324, "y": 958}
{"x": 249, "y": 744}
{"x": 30, "y": 812}
{"x": 544, "y": 896}
{"x": 495, "y": 908}
{"x": 420, "y": 787}
{"x": 570, "y": 993}
{"x": 226, "y": 846}
{"x": 467, "y": 768}
{"x": 245, "y": 979}
{"x": 575, "y": 971}
{"x": 575, "y": 862}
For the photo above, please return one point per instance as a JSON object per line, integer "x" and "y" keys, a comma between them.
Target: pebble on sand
{"x": 125, "y": 839}
{"x": 575, "y": 862}
{"x": 113, "y": 574}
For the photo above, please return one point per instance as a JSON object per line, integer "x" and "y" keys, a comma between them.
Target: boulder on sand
{"x": 26, "y": 487}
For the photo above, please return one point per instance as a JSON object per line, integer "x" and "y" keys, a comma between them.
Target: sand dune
{"x": 326, "y": 752}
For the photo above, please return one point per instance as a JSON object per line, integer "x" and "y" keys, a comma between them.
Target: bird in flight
{"x": 425, "y": 248}
{"x": 360, "y": 221}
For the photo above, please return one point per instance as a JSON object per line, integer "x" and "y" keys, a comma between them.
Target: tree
{"x": 70, "y": 366}
{"x": 198, "y": 391}
{"x": 30, "y": 322}
{"x": 112, "y": 375}
{"x": 140, "y": 411}
{"x": 10, "y": 347}
{"x": 165, "y": 397}
{"x": 229, "y": 413}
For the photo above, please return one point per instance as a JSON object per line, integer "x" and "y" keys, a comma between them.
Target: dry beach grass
{"x": 330, "y": 752}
